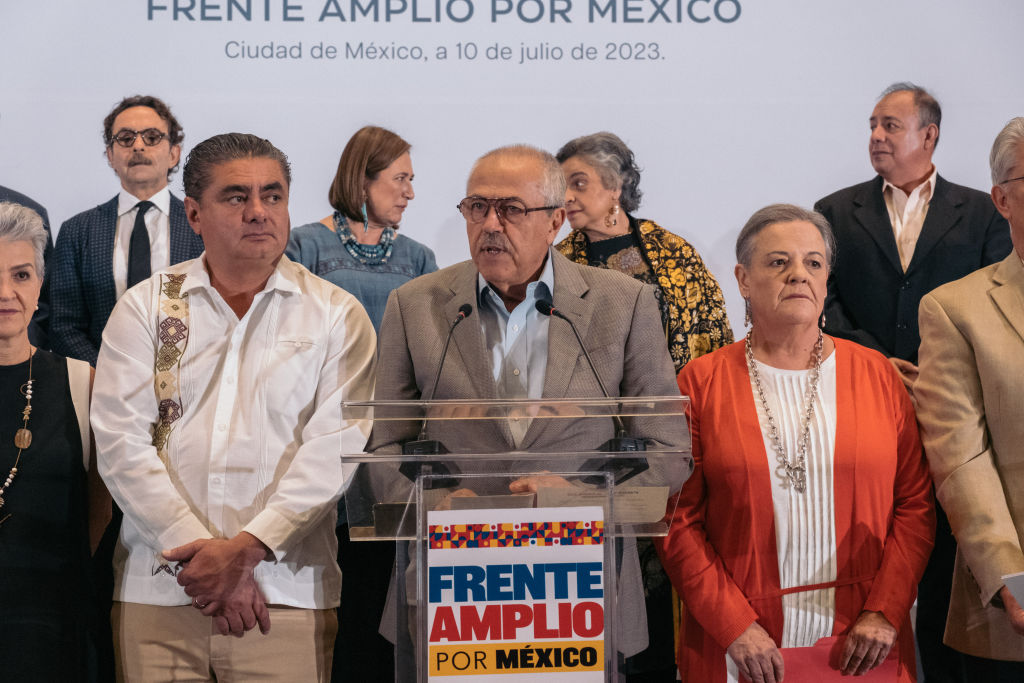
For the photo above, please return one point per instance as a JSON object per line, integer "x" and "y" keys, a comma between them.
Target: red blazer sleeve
{"x": 911, "y": 529}
{"x": 691, "y": 562}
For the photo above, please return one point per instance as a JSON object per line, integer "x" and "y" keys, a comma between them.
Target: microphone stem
{"x": 620, "y": 428}
{"x": 437, "y": 377}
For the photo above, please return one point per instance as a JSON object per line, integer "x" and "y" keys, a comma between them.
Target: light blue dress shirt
{"x": 517, "y": 341}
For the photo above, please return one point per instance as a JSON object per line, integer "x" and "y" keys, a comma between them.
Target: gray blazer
{"x": 620, "y": 324}
{"x": 616, "y": 316}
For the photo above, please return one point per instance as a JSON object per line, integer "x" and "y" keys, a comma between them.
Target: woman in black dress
{"x": 44, "y": 486}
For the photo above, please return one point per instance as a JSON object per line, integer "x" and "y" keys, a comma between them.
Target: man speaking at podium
{"x": 504, "y": 347}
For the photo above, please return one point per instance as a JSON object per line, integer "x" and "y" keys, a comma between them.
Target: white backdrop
{"x": 725, "y": 115}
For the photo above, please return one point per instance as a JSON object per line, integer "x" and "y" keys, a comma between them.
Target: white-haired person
{"x": 50, "y": 497}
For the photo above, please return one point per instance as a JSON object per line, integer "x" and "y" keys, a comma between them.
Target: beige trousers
{"x": 153, "y": 644}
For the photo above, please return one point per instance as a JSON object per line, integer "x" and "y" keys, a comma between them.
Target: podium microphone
{"x": 465, "y": 310}
{"x": 423, "y": 445}
{"x": 621, "y": 442}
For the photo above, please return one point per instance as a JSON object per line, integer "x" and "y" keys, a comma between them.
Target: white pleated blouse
{"x": 805, "y": 529}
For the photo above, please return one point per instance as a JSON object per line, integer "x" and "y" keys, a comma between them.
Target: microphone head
{"x": 465, "y": 310}
{"x": 544, "y": 307}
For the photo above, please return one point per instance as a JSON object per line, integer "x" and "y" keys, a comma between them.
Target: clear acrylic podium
{"x": 566, "y": 478}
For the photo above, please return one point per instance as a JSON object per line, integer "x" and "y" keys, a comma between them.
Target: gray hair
{"x": 928, "y": 109}
{"x": 612, "y": 160}
{"x": 221, "y": 149}
{"x": 782, "y": 213}
{"x": 21, "y": 224}
{"x": 1004, "y": 150}
{"x": 553, "y": 182}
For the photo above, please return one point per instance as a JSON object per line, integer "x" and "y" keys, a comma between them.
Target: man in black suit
{"x": 39, "y": 326}
{"x": 102, "y": 252}
{"x": 898, "y": 237}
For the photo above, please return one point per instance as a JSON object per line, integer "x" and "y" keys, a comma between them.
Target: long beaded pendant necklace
{"x": 22, "y": 438}
{"x": 792, "y": 471}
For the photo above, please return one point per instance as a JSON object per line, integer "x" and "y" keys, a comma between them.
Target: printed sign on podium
{"x": 516, "y": 593}
{"x": 516, "y": 521}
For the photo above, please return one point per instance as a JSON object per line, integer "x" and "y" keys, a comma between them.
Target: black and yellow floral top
{"x": 691, "y": 302}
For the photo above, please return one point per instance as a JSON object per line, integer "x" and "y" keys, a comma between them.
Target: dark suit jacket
{"x": 83, "y": 292}
{"x": 38, "y": 328}
{"x": 870, "y": 299}
{"x": 620, "y": 324}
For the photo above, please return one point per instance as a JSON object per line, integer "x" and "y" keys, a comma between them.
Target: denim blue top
{"x": 321, "y": 251}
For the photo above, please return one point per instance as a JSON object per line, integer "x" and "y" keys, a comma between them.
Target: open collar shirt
{"x": 517, "y": 340}
{"x": 257, "y": 447}
{"x": 907, "y": 214}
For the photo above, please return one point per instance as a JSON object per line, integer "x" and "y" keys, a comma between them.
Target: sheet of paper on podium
{"x": 820, "y": 664}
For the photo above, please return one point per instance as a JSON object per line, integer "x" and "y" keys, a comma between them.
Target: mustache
{"x": 140, "y": 160}
{"x": 493, "y": 239}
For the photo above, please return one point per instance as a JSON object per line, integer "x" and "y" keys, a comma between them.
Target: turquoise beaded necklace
{"x": 367, "y": 254}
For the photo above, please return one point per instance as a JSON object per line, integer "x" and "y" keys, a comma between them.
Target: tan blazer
{"x": 970, "y": 395}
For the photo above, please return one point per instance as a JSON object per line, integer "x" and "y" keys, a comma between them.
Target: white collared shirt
{"x": 158, "y": 224}
{"x": 258, "y": 445}
{"x": 907, "y": 214}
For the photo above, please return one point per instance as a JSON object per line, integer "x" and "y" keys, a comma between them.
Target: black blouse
{"x": 44, "y": 585}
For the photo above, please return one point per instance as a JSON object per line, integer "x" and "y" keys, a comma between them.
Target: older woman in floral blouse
{"x": 602, "y": 193}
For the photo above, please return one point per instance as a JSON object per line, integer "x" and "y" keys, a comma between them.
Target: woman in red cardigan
{"x": 810, "y": 511}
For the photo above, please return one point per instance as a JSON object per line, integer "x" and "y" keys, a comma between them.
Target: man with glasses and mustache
{"x": 103, "y": 252}
{"x": 507, "y": 349}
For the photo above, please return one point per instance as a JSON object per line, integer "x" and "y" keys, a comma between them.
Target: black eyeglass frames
{"x": 150, "y": 137}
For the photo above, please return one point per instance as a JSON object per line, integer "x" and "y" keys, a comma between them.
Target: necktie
{"x": 138, "y": 248}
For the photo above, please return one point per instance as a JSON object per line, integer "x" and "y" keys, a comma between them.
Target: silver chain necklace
{"x": 794, "y": 471}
